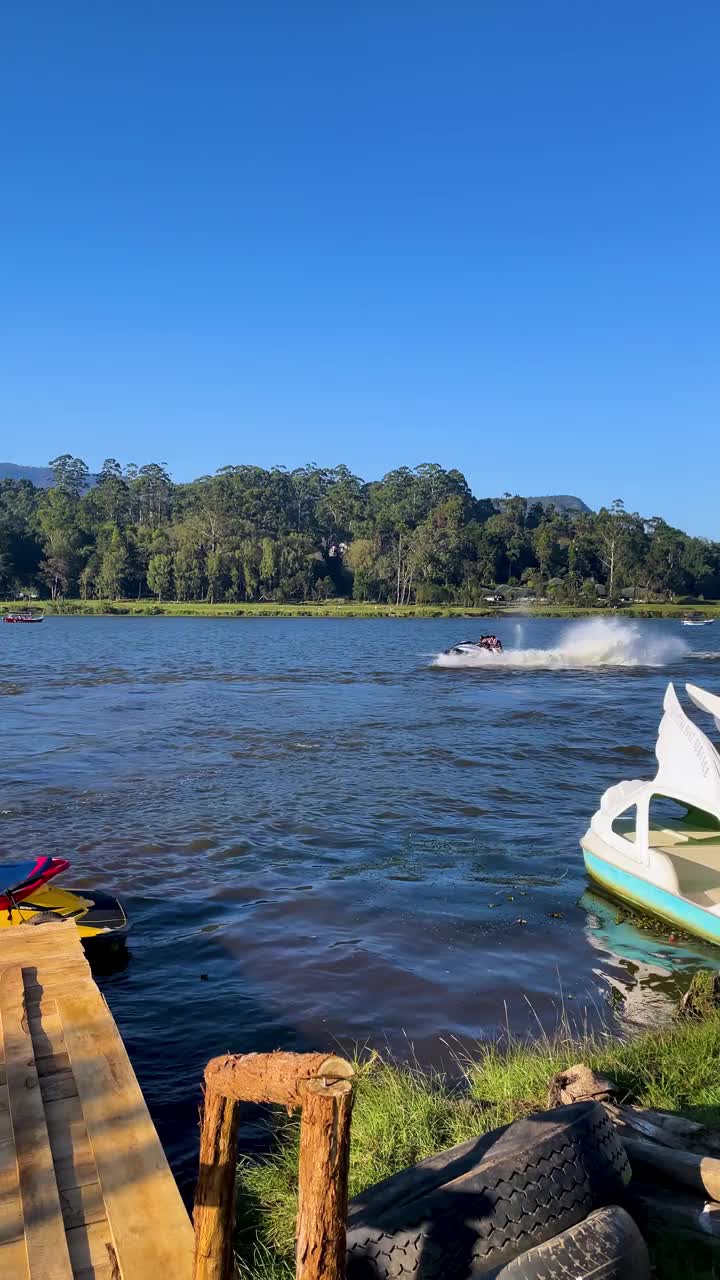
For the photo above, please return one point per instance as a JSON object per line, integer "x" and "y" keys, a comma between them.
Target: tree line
{"x": 250, "y": 534}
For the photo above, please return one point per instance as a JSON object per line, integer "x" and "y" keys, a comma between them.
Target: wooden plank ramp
{"x": 85, "y": 1190}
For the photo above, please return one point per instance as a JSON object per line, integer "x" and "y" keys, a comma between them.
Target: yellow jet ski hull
{"x": 98, "y": 916}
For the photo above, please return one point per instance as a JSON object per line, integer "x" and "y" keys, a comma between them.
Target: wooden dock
{"x": 86, "y": 1192}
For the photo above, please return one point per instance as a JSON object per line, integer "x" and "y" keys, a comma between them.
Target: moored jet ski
{"x": 27, "y": 897}
{"x": 99, "y": 917}
{"x": 19, "y": 879}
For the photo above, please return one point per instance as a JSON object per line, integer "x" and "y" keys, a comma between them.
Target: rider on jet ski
{"x": 490, "y": 642}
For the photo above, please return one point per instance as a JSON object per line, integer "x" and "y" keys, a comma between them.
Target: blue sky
{"x": 481, "y": 233}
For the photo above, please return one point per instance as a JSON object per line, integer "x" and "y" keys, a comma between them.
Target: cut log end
{"x": 335, "y": 1068}
{"x": 328, "y": 1088}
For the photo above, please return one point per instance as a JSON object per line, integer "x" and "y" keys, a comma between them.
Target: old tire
{"x": 606, "y": 1246}
{"x": 474, "y": 1208}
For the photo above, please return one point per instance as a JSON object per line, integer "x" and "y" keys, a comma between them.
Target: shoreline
{"x": 403, "y": 1114}
{"x": 198, "y": 609}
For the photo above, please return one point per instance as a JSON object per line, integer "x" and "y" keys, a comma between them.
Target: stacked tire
{"x": 536, "y": 1200}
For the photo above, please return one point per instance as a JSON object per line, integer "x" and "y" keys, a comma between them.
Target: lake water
{"x": 323, "y": 838}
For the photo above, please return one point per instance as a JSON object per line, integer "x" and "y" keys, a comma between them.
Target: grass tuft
{"x": 701, "y": 997}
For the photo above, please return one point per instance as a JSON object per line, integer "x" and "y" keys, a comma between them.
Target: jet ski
{"x": 490, "y": 644}
{"x": 99, "y": 917}
{"x": 27, "y": 897}
{"x": 19, "y": 879}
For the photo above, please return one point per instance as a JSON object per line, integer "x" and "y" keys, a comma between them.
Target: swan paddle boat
{"x": 656, "y": 845}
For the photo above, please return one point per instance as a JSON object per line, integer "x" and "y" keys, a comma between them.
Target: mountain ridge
{"x": 562, "y": 501}
{"x": 41, "y": 477}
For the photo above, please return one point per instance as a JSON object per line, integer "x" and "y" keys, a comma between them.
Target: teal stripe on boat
{"x": 651, "y": 898}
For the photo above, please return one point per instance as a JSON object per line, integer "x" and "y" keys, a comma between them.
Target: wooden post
{"x": 214, "y": 1211}
{"x": 323, "y": 1183}
{"x": 322, "y": 1086}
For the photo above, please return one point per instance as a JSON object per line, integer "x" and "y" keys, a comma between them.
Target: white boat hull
{"x": 629, "y": 887}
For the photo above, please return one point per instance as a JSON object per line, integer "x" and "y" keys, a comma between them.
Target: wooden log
{"x": 664, "y": 1127}
{"x": 272, "y": 1077}
{"x": 700, "y": 1173}
{"x": 323, "y": 1180}
{"x": 668, "y": 1120}
{"x": 630, "y": 1120}
{"x": 214, "y": 1210}
{"x": 673, "y": 1131}
{"x": 664, "y": 1210}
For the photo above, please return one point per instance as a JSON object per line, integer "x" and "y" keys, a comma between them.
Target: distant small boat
{"x": 24, "y": 617}
{"x": 697, "y": 622}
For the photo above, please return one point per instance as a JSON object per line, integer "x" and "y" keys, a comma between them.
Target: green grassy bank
{"x": 197, "y": 609}
{"x": 403, "y": 1115}
{"x": 329, "y": 609}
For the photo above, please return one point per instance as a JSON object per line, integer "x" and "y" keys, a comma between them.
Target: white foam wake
{"x": 597, "y": 642}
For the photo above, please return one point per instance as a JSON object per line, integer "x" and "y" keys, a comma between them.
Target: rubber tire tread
{"x": 481, "y": 1204}
{"x": 606, "y": 1246}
